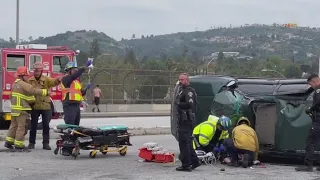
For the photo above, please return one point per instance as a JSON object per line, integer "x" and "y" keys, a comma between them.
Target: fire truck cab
{"x": 54, "y": 60}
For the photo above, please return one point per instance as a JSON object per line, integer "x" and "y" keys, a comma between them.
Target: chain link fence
{"x": 132, "y": 86}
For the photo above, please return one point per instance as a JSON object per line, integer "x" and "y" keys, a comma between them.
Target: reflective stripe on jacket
{"x": 74, "y": 91}
{"x": 206, "y": 130}
{"x": 22, "y": 96}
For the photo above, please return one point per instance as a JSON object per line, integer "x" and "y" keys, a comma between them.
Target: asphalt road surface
{"x": 44, "y": 165}
{"x": 131, "y": 122}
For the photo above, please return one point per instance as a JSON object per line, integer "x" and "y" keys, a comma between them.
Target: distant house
{"x": 226, "y": 54}
{"x": 245, "y": 57}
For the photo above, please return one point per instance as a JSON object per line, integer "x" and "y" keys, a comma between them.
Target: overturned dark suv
{"x": 275, "y": 107}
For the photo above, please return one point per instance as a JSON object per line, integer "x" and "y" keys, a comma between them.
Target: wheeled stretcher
{"x": 104, "y": 139}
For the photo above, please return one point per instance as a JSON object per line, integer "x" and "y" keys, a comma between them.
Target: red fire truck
{"x": 54, "y": 60}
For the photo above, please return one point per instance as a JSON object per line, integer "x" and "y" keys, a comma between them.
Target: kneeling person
{"x": 209, "y": 133}
{"x": 244, "y": 141}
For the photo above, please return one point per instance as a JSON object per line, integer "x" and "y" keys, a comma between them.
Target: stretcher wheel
{"x": 56, "y": 151}
{"x": 104, "y": 149}
{"x": 92, "y": 154}
{"x": 123, "y": 152}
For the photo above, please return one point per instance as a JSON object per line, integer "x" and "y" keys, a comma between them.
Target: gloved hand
{"x": 308, "y": 111}
{"x": 88, "y": 86}
{"x": 222, "y": 148}
{"x": 88, "y": 63}
{"x": 216, "y": 149}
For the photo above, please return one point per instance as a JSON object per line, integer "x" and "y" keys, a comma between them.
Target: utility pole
{"x": 17, "y": 23}
{"x": 319, "y": 66}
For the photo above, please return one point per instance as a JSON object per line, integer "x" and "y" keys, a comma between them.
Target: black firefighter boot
{"x": 8, "y": 145}
{"x": 45, "y": 143}
{"x": 21, "y": 149}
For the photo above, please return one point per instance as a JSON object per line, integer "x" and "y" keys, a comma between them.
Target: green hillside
{"x": 259, "y": 41}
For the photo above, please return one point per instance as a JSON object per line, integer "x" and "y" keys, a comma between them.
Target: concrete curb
{"x": 133, "y": 132}
{"x": 124, "y": 114}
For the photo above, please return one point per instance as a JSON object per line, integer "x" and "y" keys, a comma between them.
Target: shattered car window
{"x": 228, "y": 103}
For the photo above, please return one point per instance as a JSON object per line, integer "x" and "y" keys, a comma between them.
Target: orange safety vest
{"x": 74, "y": 91}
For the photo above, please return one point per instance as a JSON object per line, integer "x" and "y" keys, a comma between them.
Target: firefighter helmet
{"x": 225, "y": 122}
{"x": 38, "y": 65}
{"x": 22, "y": 71}
{"x": 244, "y": 119}
{"x": 69, "y": 66}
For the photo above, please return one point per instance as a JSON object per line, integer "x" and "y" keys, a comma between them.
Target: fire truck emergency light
{"x": 32, "y": 46}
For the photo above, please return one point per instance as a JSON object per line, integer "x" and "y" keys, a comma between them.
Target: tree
{"x": 144, "y": 59}
{"x": 185, "y": 52}
{"x": 315, "y": 66}
{"x": 164, "y": 56}
{"x": 30, "y": 38}
{"x": 195, "y": 56}
{"x": 220, "y": 57}
{"x": 11, "y": 40}
{"x": 133, "y": 36}
{"x": 292, "y": 71}
{"x": 82, "y": 58}
{"x": 142, "y": 36}
{"x": 94, "y": 49}
{"x": 153, "y": 86}
{"x": 131, "y": 58}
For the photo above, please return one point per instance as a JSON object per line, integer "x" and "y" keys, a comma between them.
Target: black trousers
{"x": 234, "y": 152}
{"x": 72, "y": 114}
{"x": 312, "y": 140}
{"x": 46, "y": 118}
{"x": 97, "y": 100}
{"x": 187, "y": 153}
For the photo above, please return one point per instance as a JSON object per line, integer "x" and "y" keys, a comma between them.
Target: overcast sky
{"x": 122, "y": 18}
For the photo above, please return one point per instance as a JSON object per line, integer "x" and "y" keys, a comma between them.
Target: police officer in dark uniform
{"x": 314, "y": 132}
{"x": 186, "y": 106}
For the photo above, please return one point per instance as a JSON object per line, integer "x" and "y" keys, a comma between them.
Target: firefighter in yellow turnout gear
{"x": 22, "y": 96}
{"x": 244, "y": 141}
{"x": 211, "y": 132}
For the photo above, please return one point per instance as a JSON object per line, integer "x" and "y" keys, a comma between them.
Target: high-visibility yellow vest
{"x": 74, "y": 91}
{"x": 206, "y": 131}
